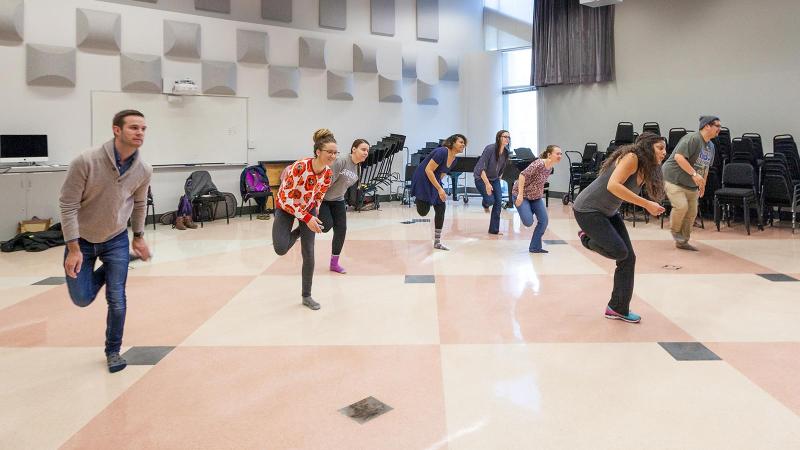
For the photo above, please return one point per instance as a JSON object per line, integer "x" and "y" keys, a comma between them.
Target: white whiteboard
{"x": 191, "y": 129}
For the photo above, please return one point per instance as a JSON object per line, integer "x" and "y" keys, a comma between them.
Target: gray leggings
{"x": 283, "y": 238}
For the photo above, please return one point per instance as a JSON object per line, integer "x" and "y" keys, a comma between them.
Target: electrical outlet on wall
{"x": 251, "y": 144}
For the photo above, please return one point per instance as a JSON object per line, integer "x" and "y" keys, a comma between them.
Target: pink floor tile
{"x": 276, "y": 398}
{"x": 652, "y": 256}
{"x": 551, "y": 308}
{"x": 774, "y": 366}
{"x": 362, "y": 257}
{"x": 161, "y": 311}
{"x": 737, "y": 231}
{"x": 472, "y": 228}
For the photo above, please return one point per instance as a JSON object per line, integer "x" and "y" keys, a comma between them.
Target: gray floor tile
{"x": 689, "y": 351}
{"x": 146, "y": 356}
{"x": 51, "y": 281}
{"x": 554, "y": 241}
{"x": 777, "y": 277}
{"x": 365, "y": 410}
{"x": 420, "y": 279}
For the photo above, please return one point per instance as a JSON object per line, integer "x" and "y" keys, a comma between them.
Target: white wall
{"x": 281, "y": 128}
{"x": 678, "y": 59}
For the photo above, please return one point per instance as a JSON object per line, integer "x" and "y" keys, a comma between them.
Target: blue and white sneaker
{"x": 630, "y": 318}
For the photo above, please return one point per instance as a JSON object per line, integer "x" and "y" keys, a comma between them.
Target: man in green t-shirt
{"x": 685, "y": 174}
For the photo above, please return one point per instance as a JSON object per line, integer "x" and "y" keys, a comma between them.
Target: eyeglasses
{"x": 718, "y": 125}
{"x": 331, "y": 152}
{"x": 506, "y": 136}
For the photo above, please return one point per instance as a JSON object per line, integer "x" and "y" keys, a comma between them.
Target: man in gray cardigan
{"x": 104, "y": 188}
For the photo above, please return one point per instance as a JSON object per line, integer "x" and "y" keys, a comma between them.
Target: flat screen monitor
{"x": 15, "y": 148}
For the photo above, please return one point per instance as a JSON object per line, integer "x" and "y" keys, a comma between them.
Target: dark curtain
{"x": 572, "y": 43}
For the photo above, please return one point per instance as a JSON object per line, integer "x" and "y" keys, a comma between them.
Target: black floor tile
{"x": 146, "y": 356}
{"x": 689, "y": 351}
{"x": 777, "y": 277}
{"x": 51, "y": 281}
{"x": 365, "y": 410}
{"x": 420, "y": 279}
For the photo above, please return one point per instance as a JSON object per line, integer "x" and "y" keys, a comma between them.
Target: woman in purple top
{"x": 426, "y": 185}
{"x": 528, "y": 194}
{"x": 488, "y": 173}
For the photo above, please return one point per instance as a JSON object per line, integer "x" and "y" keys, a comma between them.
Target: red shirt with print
{"x": 302, "y": 190}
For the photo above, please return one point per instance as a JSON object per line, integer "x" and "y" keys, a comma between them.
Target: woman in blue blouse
{"x": 488, "y": 173}
{"x": 426, "y": 184}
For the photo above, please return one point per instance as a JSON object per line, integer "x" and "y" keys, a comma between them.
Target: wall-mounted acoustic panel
{"x": 340, "y": 86}
{"x": 12, "y": 20}
{"x": 364, "y": 59}
{"x": 427, "y": 94}
{"x": 448, "y": 69}
{"x": 140, "y": 73}
{"x": 428, "y": 20}
{"x": 333, "y": 14}
{"x": 284, "y": 81}
{"x": 97, "y": 30}
{"x": 390, "y": 91}
{"x": 181, "y": 39}
{"x": 219, "y": 6}
{"x": 409, "y": 65}
{"x": 219, "y": 77}
{"x": 382, "y": 17}
{"x": 47, "y": 65}
{"x": 252, "y": 47}
{"x": 312, "y": 53}
{"x": 279, "y": 10}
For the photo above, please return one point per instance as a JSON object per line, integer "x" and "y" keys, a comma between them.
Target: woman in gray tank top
{"x": 597, "y": 212}
{"x": 333, "y": 210}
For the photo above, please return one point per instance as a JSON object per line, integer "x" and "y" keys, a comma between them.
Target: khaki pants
{"x": 684, "y": 210}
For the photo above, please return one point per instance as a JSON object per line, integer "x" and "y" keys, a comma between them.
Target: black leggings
{"x": 424, "y": 207}
{"x": 333, "y": 214}
{"x": 283, "y": 238}
{"x": 609, "y": 237}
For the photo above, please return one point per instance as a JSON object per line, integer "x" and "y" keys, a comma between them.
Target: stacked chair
{"x": 652, "y": 127}
{"x": 780, "y": 180}
{"x": 675, "y": 135}
{"x": 738, "y": 188}
{"x": 376, "y": 170}
{"x": 582, "y": 170}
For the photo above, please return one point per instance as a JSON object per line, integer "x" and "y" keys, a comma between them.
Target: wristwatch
{"x": 138, "y": 234}
{"x": 695, "y": 174}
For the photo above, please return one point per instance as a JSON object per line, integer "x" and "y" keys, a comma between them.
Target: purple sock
{"x": 335, "y": 267}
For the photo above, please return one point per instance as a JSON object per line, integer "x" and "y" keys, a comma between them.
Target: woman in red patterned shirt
{"x": 528, "y": 194}
{"x": 302, "y": 188}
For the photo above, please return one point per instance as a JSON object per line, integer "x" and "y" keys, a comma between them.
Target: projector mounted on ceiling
{"x": 598, "y": 3}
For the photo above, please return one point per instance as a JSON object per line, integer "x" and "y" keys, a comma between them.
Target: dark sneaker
{"x": 115, "y": 362}
{"x": 686, "y": 246}
{"x": 538, "y": 250}
{"x": 630, "y": 317}
{"x": 584, "y": 239}
{"x": 309, "y": 303}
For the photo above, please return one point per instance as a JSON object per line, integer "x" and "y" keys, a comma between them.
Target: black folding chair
{"x": 738, "y": 188}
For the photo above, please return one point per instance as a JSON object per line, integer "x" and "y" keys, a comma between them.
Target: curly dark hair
{"x": 451, "y": 141}
{"x": 648, "y": 167}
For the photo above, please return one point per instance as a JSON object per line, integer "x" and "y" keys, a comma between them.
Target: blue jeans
{"x": 495, "y": 201}
{"x": 527, "y": 210}
{"x": 113, "y": 273}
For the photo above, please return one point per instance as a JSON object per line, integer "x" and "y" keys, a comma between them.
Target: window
{"x": 520, "y": 116}
{"x": 507, "y": 24}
